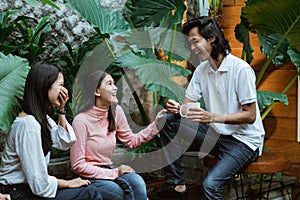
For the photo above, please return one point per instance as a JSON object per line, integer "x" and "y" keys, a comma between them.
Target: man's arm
{"x": 246, "y": 116}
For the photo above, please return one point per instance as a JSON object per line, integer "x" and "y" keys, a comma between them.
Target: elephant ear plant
{"x": 277, "y": 24}
{"x": 119, "y": 36}
{"x": 131, "y": 41}
{"x": 13, "y": 74}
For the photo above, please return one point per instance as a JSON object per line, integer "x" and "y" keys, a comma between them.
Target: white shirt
{"x": 23, "y": 160}
{"x": 225, "y": 91}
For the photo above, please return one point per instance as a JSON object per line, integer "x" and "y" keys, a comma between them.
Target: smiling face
{"x": 199, "y": 45}
{"x": 106, "y": 93}
{"x": 55, "y": 90}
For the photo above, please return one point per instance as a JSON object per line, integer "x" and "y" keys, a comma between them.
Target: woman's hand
{"x": 63, "y": 98}
{"x": 159, "y": 115}
{"x": 124, "y": 169}
{"x": 172, "y": 106}
{"x": 73, "y": 183}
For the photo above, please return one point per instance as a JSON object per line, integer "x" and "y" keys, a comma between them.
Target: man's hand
{"x": 172, "y": 106}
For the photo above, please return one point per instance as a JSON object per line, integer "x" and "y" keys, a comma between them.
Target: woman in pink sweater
{"x": 96, "y": 127}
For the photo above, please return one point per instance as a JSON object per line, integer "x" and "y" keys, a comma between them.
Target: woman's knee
{"x": 135, "y": 181}
{"x": 109, "y": 189}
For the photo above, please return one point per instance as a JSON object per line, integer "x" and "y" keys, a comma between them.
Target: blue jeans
{"x": 233, "y": 154}
{"x": 130, "y": 186}
{"x": 23, "y": 192}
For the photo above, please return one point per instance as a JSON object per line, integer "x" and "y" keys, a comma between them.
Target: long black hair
{"x": 91, "y": 81}
{"x": 36, "y": 101}
{"x": 209, "y": 28}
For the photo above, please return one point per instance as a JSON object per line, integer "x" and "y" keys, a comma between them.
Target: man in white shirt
{"x": 230, "y": 123}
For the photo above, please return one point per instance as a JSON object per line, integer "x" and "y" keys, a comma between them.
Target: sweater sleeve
{"x": 33, "y": 162}
{"x": 125, "y": 134}
{"x": 79, "y": 165}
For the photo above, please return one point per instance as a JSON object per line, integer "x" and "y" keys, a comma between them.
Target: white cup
{"x": 184, "y": 109}
{"x": 7, "y": 196}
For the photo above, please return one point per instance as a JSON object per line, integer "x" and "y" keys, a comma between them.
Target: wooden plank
{"x": 280, "y": 129}
{"x": 282, "y": 111}
{"x": 231, "y": 16}
{"x": 277, "y": 80}
{"x": 233, "y": 2}
{"x": 290, "y": 149}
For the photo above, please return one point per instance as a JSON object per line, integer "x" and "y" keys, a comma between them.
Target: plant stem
{"x": 155, "y": 101}
{"x": 172, "y": 43}
{"x": 266, "y": 64}
{"x": 109, "y": 48}
{"x": 243, "y": 54}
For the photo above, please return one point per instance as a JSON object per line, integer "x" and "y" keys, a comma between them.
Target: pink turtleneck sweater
{"x": 95, "y": 145}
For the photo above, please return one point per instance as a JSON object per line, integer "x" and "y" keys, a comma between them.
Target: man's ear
{"x": 97, "y": 92}
{"x": 212, "y": 39}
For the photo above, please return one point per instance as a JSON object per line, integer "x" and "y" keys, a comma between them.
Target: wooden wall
{"x": 281, "y": 123}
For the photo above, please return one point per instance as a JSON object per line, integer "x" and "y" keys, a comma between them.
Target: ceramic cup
{"x": 184, "y": 109}
{"x": 7, "y": 196}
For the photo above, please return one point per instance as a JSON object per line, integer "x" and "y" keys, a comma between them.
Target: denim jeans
{"x": 130, "y": 186}
{"x": 23, "y": 192}
{"x": 233, "y": 154}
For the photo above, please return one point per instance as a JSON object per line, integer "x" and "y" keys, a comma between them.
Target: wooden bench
{"x": 267, "y": 163}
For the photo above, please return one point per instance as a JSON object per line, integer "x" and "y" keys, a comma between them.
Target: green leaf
{"x": 242, "y": 35}
{"x": 50, "y": 3}
{"x": 33, "y": 3}
{"x": 266, "y": 98}
{"x": 275, "y": 16}
{"x": 107, "y": 21}
{"x": 154, "y": 13}
{"x": 295, "y": 58}
{"x": 155, "y": 74}
{"x": 42, "y": 27}
{"x": 13, "y": 74}
{"x": 268, "y": 44}
{"x": 6, "y": 28}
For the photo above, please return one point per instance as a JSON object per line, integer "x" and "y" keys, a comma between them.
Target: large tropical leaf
{"x": 13, "y": 73}
{"x": 107, "y": 21}
{"x": 269, "y": 42}
{"x": 154, "y": 13}
{"x": 275, "y": 16}
{"x": 155, "y": 74}
{"x": 266, "y": 98}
